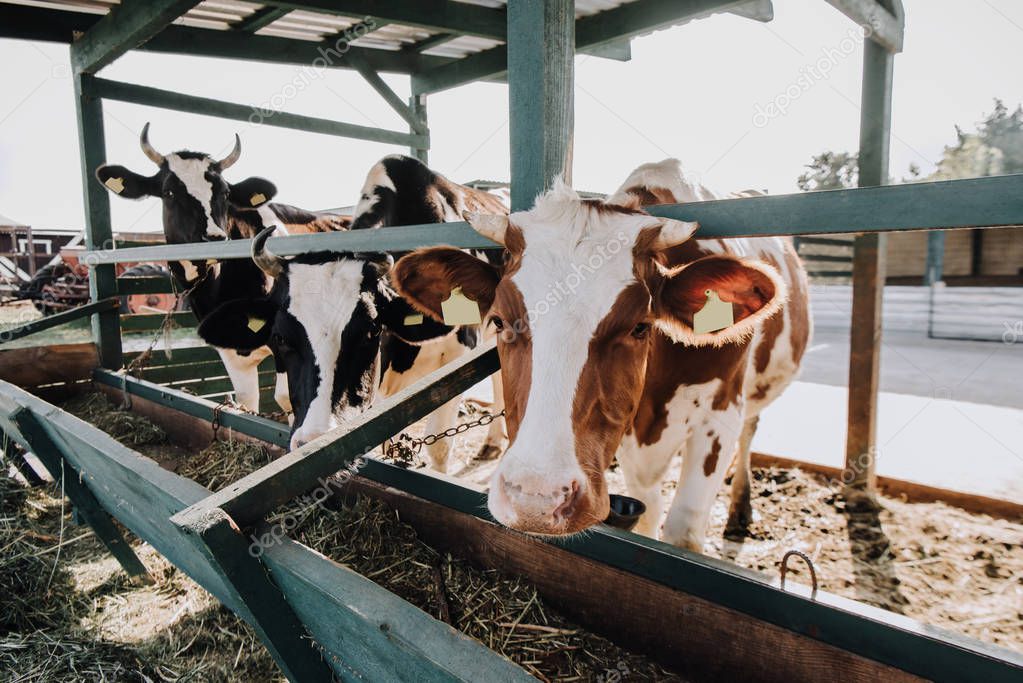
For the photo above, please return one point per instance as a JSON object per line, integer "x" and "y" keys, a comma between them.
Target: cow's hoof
{"x": 739, "y": 519}
{"x": 488, "y": 451}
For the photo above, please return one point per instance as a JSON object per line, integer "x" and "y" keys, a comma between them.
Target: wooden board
{"x": 41, "y": 365}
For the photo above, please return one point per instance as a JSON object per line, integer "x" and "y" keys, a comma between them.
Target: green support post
{"x": 868, "y": 278}
{"x": 541, "y": 48}
{"x": 106, "y": 325}
{"x": 417, "y": 105}
{"x": 935, "y": 257}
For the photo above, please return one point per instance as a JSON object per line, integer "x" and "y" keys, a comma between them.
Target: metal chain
{"x": 405, "y": 448}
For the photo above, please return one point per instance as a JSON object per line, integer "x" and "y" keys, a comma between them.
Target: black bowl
{"x": 625, "y": 512}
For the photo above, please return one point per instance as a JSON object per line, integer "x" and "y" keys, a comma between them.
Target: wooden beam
{"x": 948, "y": 204}
{"x": 417, "y": 104}
{"x": 430, "y": 42}
{"x": 49, "y": 453}
{"x": 35, "y": 366}
{"x": 154, "y": 97}
{"x": 868, "y": 280}
{"x": 106, "y": 329}
{"x": 432, "y": 15}
{"x": 541, "y": 49}
{"x": 592, "y": 32}
{"x": 127, "y": 26}
{"x": 282, "y": 631}
{"x": 62, "y": 318}
{"x": 261, "y": 18}
{"x": 886, "y": 27}
{"x": 370, "y": 75}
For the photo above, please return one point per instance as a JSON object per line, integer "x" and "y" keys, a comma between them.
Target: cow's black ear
{"x": 129, "y": 184}
{"x": 242, "y": 324}
{"x": 252, "y": 192}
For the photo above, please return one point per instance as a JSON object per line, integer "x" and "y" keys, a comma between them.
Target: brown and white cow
{"x": 599, "y": 355}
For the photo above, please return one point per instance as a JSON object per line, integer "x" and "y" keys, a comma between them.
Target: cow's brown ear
{"x": 426, "y": 278}
{"x": 754, "y": 291}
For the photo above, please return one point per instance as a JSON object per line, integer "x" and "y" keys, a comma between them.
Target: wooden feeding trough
{"x": 706, "y": 619}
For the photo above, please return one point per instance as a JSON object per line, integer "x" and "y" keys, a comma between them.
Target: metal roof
{"x": 313, "y": 26}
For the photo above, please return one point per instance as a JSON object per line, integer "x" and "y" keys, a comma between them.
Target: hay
{"x": 124, "y": 425}
{"x": 503, "y": 612}
{"x": 42, "y": 657}
{"x": 224, "y": 462}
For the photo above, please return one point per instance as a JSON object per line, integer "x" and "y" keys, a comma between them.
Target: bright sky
{"x": 692, "y": 92}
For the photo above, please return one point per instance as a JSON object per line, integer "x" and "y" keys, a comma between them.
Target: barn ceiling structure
{"x": 442, "y": 44}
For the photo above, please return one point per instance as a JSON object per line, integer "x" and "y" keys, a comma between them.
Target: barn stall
{"x": 703, "y": 618}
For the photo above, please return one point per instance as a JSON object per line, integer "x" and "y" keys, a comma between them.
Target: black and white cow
{"x": 199, "y": 204}
{"x": 337, "y": 327}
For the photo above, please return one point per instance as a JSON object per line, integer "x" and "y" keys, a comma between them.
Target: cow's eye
{"x": 641, "y": 331}
{"x": 497, "y": 323}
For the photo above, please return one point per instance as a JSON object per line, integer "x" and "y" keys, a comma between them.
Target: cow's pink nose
{"x": 542, "y": 504}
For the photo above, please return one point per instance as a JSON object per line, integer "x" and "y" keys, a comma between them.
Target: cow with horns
{"x": 199, "y": 204}
{"x": 601, "y": 354}
{"x": 335, "y": 323}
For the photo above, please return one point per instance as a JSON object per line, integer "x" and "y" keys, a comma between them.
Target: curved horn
{"x": 488, "y": 225}
{"x": 268, "y": 262}
{"x": 228, "y": 161}
{"x": 153, "y": 155}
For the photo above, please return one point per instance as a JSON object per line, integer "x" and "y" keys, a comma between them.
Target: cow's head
{"x": 196, "y": 197}
{"x": 323, "y": 321}
{"x": 581, "y": 297}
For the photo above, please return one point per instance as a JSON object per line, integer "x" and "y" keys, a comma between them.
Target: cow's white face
{"x": 203, "y": 185}
{"x": 582, "y": 293}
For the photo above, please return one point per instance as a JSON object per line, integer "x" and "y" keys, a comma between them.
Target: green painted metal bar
{"x": 283, "y": 633}
{"x": 430, "y": 42}
{"x": 261, "y": 18}
{"x": 403, "y": 110}
{"x": 935, "y": 270}
{"x": 950, "y": 204}
{"x": 541, "y": 49}
{"x": 62, "y": 318}
{"x": 258, "y": 427}
{"x": 868, "y": 277}
{"x": 106, "y": 330}
{"x": 607, "y": 27}
{"x": 825, "y": 242}
{"x": 153, "y": 321}
{"x": 129, "y": 24}
{"x": 885, "y": 29}
{"x": 49, "y": 453}
{"x": 154, "y": 97}
{"x": 417, "y": 104}
{"x": 433, "y": 15}
{"x": 249, "y": 499}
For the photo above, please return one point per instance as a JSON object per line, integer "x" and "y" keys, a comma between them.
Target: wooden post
{"x": 106, "y": 325}
{"x": 935, "y": 257}
{"x": 417, "y": 105}
{"x": 541, "y": 47}
{"x": 868, "y": 277}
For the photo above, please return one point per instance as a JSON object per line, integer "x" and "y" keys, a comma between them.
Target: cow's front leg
{"x": 439, "y": 420}
{"x": 709, "y": 451}
{"x": 644, "y": 467}
{"x": 497, "y": 434}
{"x": 244, "y": 374}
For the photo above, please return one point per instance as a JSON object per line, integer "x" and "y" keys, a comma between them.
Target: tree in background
{"x": 996, "y": 148}
{"x": 829, "y": 171}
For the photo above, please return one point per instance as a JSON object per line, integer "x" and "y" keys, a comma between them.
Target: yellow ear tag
{"x": 257, "y": 199}
{"x": 115, "y": 184}
{"x": 458, "y": 309}
{"x": 256, "y": 324}
{"x": 414, "y": 319}
{"x": 715, "y": 315}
